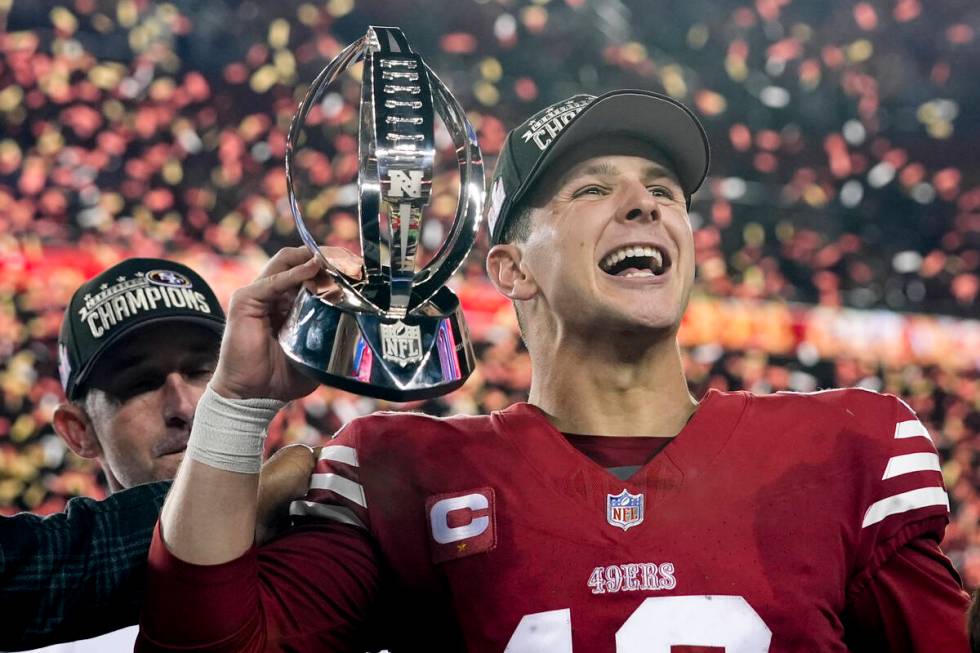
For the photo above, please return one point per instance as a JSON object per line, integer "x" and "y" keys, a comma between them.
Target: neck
{"x": 110, "y": 478}
{"x": 612, "y": 386}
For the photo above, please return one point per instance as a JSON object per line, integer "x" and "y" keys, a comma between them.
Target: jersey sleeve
{"x": 336, "y": 492}
{"x": 905, "y": 496}
{"x": 904, "y": 594}
{"x": 913, "y": 603}
{"x": 315, "y": 588}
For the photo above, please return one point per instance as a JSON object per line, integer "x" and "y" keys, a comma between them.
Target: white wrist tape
{"x": 229, "y": 434}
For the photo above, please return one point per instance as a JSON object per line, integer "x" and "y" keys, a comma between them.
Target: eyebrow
{"x": 140, "y": 359}
{"x": 605, "y": 169}
{"x": 602, "y": 169}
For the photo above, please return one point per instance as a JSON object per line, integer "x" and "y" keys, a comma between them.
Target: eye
{"x": 201, "y": 370}
{"x": 591, "y": 189}
{"x": 662, "y": 191}
{"x": 140, "y": 385}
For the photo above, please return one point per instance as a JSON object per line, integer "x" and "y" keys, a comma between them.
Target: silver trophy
{"x": 397, "y": 333}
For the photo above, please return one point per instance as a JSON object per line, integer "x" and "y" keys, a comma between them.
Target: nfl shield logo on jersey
{"x": 624, "y": 509}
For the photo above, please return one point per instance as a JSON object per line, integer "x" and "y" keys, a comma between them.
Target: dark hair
{"x": 517, "y": 228}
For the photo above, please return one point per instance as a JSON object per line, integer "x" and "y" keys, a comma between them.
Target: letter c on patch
{"x": 443, "y": 533}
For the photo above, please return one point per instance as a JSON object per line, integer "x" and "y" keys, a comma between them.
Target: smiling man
{"x": 613, "y": 511}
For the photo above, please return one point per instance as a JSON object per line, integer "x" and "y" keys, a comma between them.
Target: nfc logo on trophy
{"x": 401, "y": 343}
{"x": 405, "y": 183}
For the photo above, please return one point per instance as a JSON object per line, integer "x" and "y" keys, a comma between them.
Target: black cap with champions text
{"x": 670, "y": 128}
{"x": 132, "y": 294}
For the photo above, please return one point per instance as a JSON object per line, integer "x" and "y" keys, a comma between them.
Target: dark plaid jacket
{"x": 78, "y": 573}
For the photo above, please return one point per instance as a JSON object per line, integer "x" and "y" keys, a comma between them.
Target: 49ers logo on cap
{"x": 461, "y": 523}
{"x": 168, "y": 278}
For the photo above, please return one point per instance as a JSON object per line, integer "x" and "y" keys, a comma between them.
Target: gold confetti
{"x": 491, "y": 69}
{"x": 11, "y": 97}
{"x": 486, "y": 93}
{"x": 860, "y": 50}
{"x": 672, "y": 78}
{"x": 338, "y": 8}
{"x": 278, "y": 33}
{"x": 64, "y": 20}
{"x": 126, "y": 13}
{"x": 264, "y": 78}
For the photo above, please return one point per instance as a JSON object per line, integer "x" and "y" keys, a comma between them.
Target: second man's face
{"x": 142, "y": 399}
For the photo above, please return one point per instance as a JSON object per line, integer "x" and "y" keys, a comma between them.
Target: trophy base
{"x": 416, "y": 357}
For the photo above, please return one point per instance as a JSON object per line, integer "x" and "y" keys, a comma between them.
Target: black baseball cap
{"x": 668, "y": 126}
{"x": 124, "y": 298}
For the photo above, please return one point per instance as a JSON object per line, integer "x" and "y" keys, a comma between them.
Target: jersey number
{"x": 658, "y": 624}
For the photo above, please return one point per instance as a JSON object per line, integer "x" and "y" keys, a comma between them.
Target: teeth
{"x": 640, "y": 273}
{"x": 657, "y": 258}
{"x": 617, "y": 256}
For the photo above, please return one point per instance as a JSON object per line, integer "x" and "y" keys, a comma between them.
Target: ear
{"x": 72, "y": 423}
{"x": 508, "y": 273}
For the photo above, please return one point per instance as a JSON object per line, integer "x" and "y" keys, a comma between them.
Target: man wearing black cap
{"x": 137, "y": 346}
{"x": 613, "y": 511}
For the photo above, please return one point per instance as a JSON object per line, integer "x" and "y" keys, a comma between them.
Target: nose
{"x": 638, "y": 203}
{"x": 180, "y": 400}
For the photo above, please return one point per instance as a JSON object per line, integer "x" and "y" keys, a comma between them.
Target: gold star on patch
{"x": 461, "y": 547}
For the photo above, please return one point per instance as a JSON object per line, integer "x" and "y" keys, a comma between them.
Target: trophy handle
{"x": 469, "y": 210}
{"x": 352, "y": 299}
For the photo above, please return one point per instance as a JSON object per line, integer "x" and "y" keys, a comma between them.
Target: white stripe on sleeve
{"x": 344, "y": 487}
{"x": 340, "y": 453}
{"x": 911, "y": 462}
{"x": 899, "y": 503}
{"x": 339, "y": 514}
{"x": 911, "y": 428}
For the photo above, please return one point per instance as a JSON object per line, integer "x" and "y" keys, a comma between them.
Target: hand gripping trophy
{"x": 397, "y": 333}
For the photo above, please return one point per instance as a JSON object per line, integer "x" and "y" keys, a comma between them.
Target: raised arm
{"x": 209, "y": 517}
{"x": 208, "y": 587}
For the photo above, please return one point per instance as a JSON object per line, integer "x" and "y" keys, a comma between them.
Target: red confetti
{"x": 865, "y": 16}
{"x": 458, "y": 43}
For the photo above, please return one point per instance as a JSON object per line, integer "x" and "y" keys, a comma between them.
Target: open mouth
{"x": 636, "y": 261}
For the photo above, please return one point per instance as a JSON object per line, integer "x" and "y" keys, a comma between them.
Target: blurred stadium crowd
{"x": 843, "y": 210}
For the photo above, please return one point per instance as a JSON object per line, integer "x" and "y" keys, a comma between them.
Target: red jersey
{"x": 781, "y": 523}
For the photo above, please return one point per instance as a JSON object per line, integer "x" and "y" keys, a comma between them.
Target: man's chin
{"x": 166, "y": 466}
{"x": 642, "y": 321}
